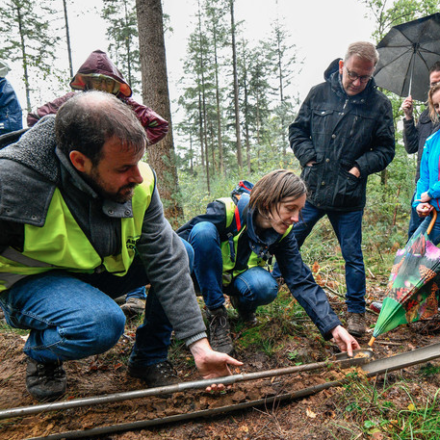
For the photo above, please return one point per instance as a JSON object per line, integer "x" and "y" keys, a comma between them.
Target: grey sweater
{"x": 31, "y": 169}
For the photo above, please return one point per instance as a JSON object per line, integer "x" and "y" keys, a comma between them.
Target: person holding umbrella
{"x": 427, "y": 197}
{"x": 415, "y": 135}
{"x": 343, "y": 133}
{"x": 412, "y": 291}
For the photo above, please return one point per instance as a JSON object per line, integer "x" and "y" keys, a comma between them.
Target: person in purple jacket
{"x": 99, "y": 73}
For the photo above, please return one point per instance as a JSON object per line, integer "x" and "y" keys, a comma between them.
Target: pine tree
{"x": 123, "y": 38}
{"x": 284, "y": 66}
{"x": 28, "y": 37}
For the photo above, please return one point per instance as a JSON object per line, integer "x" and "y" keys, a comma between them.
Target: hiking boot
{"x": 157, "y": 375}
{"x": 45, "y": 382}
{"x": 356, "y": 324}
{"x": 219, "y": 330}
{"x": 133, "y": 307}
{"x": 247, "y": 316}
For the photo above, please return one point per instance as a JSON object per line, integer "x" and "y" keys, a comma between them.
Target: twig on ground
{"x": 334, "y": 291}
{"x": 371, "y": 311}
{"x": 388, "y": 343}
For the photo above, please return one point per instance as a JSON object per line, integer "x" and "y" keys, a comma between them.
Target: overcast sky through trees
{"x": 321, "y": 30}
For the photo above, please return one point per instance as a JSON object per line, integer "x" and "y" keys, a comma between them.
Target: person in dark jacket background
{"x": 99, "y": 73}
{"x": 234, "y": 260}
{"x": 415, "y": 135}
{"x": 343, "y": 133}
{"x": 10, "y": 109}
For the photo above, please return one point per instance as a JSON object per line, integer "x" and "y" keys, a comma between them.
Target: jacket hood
{"x": 99, "y": 63}
{"x": 332, "y": 68}
{"x": 37, "y": 143}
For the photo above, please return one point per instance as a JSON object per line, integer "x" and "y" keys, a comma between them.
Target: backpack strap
{"x": 238, "y": 223}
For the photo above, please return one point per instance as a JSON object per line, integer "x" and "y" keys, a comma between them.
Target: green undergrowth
{"x": 398, "y": 411}
{"x": 5, "y": 328}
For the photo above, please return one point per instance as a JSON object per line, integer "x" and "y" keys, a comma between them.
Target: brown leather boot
{"x": 356, "y": 324}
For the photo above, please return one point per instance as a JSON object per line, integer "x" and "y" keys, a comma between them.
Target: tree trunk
{"x": 204, "y": 113}
{"x": 69, "y": 49}
{"x": 155, "y": 94}
{"x": 24, "y": 55}
{"x": 217, "y": 103}
{"x": 127, "y": 46}
{"x": 235, "y": 75}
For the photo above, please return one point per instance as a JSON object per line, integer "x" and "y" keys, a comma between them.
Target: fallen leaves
{"x": 310, "y": 413}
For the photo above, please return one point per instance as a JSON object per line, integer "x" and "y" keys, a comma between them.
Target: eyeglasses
{"x": 99, "y": 80}
{"x": 354, "y": 76}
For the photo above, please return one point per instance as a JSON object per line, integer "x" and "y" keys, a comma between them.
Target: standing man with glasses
{"x": 343, "y": 133}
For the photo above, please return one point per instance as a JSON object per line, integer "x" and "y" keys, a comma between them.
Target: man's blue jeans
{"x": 348, "y": 230}
{"x": 253, "y": 288}
{"x": 72, "y": 316}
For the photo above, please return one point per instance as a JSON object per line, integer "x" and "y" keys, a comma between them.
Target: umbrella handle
{"x": 431, "y": 225}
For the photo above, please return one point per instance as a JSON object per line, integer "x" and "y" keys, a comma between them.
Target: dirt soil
{"x": 320, "y": 416}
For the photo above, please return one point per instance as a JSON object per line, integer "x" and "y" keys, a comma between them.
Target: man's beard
{"x": 124, "y": 194}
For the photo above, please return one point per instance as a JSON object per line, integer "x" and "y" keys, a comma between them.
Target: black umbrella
{"x": 406, "y": 54}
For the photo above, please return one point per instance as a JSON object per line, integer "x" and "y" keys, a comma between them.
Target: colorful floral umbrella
{"x": 412, "y": 292}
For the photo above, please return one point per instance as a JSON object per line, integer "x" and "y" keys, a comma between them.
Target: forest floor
{"x": 349, "y": 411}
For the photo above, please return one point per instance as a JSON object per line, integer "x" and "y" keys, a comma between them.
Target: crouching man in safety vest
{"x": 80, "y": 222}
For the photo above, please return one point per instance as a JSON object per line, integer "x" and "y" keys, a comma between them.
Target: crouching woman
{"x": 232, "y": 247}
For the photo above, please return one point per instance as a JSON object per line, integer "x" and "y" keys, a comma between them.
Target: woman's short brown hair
{"x": 273, "y": 188}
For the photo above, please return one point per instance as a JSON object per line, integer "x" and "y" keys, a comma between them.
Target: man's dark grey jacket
{"x": 338, "y": 132}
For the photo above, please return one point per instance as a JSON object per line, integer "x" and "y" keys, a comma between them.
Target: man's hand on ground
{"x": 212, "y": 364}
{"x": 344, "y": 340}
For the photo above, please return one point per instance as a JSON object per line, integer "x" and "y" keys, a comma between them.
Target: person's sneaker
{"x": 46, "y": 382}
{"x": 157, "y": 375}
{"x": 219, "y": 330}
{"x": 356, "y": 324}
{"x": 248, "y": 317}
{"x": 133, "y": 307}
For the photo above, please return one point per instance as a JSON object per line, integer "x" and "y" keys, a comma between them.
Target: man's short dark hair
{"x": 86, "y": 121}
{"x": 435, "y": 67}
